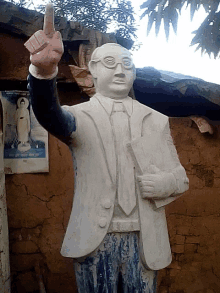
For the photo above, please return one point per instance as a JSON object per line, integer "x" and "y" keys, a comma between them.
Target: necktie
{"x": 125, "y": 169}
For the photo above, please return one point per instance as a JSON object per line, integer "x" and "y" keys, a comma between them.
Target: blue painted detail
{"x": 74, "y": 124}
{"x": 32, "y": 153}
{"x": 155, "y": 282}
{"x": 85, "y": 276}
{"x": 47, "y": 109}
{"x": 71, "y": 120}
{"x": 115, "y": 267}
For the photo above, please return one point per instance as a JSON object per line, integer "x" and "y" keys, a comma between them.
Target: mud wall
{"x": 38, "y": 210}
{"x": 194, "y": 219}
{"x": 39, "y": 206}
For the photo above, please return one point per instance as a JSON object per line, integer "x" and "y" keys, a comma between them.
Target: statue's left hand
{"x": 157, "y": 184}
{"x": 45, "y": 47}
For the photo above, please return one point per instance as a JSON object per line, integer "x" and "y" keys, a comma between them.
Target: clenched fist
{"x": 157, "y": 184}
{"x": 46, "y": 48}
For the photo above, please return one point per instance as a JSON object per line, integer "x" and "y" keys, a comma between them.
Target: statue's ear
{"x": 93, "y": 68}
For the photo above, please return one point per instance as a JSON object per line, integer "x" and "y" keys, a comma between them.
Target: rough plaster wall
{"x": 15, "y": 59}
{"x": 39, "y": 206}
{"x": 194, "y": 219}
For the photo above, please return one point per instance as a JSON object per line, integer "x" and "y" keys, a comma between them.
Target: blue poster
{"x": 24, "y": 139}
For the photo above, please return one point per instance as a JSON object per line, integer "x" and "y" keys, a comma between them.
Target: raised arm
{"x": 46, "y": 49}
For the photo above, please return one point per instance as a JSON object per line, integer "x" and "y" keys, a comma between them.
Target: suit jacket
{"x": 93, "y": 150}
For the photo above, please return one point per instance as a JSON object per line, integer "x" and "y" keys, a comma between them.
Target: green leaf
{"x": 144, "y": 13}
{"x": 151, "y": 19}
{"x": 196, "y": 40}
{"x": 206, "y": 6}
{"x": 146, "y": 4}
{"x": 157, "y": 23}
{"x": 198, "y": 47}
{"x": 179, "y": 4}
{"x": 166, "y": 19}
{"x": 174, "y": 20}
{"x": 167, "y": 28}
{"x": 202, "y": 51}
{"x": 193, "y": 8}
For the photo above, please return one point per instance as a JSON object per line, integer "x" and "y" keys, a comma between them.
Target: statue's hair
{"x": 95, "y": 52}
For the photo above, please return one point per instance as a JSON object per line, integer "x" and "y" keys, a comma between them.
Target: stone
{"x": 180, "y": 239}
{"x": 192, "y": 239}
{"x": 190, "y": 248}
{"x": 178, "y": 248}
{"x": 183, "y": 230}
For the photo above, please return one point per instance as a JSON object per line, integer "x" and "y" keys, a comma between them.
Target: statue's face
{"x": 115, "y": 71}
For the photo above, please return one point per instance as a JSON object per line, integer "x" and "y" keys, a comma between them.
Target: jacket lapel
{"x": 136, "y": 121}
{"x": 104, "y": 129}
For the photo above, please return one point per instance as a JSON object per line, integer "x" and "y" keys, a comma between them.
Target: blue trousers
{"x": 115, "y": 266}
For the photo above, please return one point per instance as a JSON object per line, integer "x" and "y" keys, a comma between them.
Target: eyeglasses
{"x": 112, "y": 62}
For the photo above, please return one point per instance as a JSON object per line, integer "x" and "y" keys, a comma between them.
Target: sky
{"x": 176, "y": 55}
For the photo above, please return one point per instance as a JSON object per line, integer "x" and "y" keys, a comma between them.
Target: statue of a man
{"x": 126, "y": 169}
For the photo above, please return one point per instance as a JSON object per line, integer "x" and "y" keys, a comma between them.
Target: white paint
{"x": 96, "y": 153}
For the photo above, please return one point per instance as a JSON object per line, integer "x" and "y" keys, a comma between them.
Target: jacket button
{"x": 102, "y": 222}
{"x": 106, "y": 204}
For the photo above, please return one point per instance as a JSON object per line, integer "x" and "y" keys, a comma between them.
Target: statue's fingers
{"x": 147, "y": 189}
{"x": 36, "y": 58}
{"x": 58, "y": 42}
{"x": 36, "y": 42}
{"x": 40, "y": 37}
{"x": 49, "y": 21}
{"x": 149, "y": 183}
{"x": 29, "y": 46}
{"x": 57, "y": 35}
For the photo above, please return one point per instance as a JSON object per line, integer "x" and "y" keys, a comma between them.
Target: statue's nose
{"x": 119, "y": 70}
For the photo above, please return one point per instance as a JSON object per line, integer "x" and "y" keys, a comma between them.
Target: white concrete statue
{"x": 126, "y": 169}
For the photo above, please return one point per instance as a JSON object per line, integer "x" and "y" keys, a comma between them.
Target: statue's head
{"x": 112, "y": 70}
{"x": 22, "y": 102}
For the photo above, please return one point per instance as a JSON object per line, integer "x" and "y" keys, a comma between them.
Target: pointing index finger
{"x": 49, "y": 21}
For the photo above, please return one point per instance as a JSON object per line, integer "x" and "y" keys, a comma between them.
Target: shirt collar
{"x": 107, "y": 103}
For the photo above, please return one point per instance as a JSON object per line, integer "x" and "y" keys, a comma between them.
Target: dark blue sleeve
{"x": 47, "y": 109}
